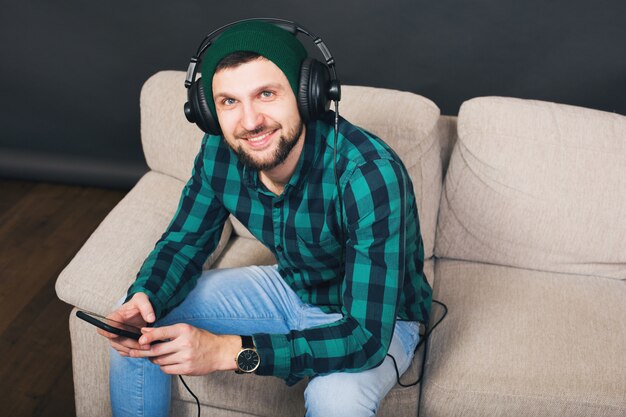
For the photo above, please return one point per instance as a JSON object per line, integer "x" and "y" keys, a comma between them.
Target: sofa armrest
{"x": 101, "y": 272}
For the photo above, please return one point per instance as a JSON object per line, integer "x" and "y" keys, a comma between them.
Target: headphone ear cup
{"x": 197, "y": 109}
{"x": 313, "y": 90}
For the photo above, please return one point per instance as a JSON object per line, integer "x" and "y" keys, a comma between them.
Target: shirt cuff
{"x": 275, "y": 355}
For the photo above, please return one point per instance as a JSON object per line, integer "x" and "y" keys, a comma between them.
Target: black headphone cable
{"x": 424, "y": 341}
{"x": 190, "y": 392}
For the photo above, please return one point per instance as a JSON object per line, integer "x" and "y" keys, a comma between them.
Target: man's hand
{"x": 136, "y": 312}
{"x": 188, "y": 350}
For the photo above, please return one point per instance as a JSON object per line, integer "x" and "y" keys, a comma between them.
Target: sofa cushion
{"x": 108, "y": 262}
{"x": 536, "y": 185}
{"x": 526, "y": 343}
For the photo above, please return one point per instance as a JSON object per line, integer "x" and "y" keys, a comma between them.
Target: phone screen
{"x": 109, "y": 325}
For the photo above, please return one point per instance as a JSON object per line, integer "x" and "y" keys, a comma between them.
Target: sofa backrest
{"x": 536, "y": 185}
{"x": 170, "y": 143}
{"x": 406, "y": 121}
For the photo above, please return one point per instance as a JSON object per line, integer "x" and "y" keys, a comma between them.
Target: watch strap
{"x": 247, "y": 342}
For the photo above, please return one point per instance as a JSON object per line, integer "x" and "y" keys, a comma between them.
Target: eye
{"x": 228, "y": 101}
{"x": 267, "y": 94}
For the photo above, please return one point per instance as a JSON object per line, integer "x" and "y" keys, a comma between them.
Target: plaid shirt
{"x": 383, "y": 275}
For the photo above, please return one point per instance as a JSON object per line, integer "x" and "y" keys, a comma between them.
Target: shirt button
{"x": 279, "y": 248}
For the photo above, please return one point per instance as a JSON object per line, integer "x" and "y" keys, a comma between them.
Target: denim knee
{"x": 344, "y": 398}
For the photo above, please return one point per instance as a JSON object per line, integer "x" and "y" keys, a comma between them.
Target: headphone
{"x": 317, "y": 86}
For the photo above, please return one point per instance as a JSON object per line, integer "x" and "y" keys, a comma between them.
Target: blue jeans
{"x": 257, "y": 300}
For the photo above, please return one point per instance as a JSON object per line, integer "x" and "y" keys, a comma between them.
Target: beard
{"x": 285, "y": 144}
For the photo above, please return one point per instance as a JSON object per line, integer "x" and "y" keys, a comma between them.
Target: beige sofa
{"x": 523, "y": 212}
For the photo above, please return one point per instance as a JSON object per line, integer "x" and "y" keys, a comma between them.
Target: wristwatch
{"x": 247, "y": 359}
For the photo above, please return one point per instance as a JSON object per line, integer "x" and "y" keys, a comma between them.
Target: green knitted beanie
{"x": 266, "y": 39}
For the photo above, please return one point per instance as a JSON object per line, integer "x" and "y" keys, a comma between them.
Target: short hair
{"x": 235, "y": 59}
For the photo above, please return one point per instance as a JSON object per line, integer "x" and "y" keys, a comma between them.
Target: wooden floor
{"x": 42, "y": 226}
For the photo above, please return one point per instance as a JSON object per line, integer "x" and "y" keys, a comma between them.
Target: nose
{"x": 251, "y": 117}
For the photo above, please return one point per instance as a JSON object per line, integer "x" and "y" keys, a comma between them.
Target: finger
{"x": 124, "y": 350}
{"x": 155, "y": 334}
{"x": 165, "y": 360}
{"x": 156, "y": 350}
{"x": 130, "y": 343}
{"x": 121, "y": 349}
{"x": 142, "y": 302}
{"x": 106, "y": 334}
{"x": 147, "y": 313}
{"x": 124, "y": 313}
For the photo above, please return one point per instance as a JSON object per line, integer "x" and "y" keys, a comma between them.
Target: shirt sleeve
{"x": 374, "y": 200}
{"x": 171, "y": 270}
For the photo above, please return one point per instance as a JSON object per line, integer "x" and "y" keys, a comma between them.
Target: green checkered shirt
{"x": 383, "y": 261}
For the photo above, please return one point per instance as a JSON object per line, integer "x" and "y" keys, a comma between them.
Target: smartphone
{"x": 109, "y": 325}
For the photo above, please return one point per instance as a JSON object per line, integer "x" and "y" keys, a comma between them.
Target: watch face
{"x": 248, "y": 360}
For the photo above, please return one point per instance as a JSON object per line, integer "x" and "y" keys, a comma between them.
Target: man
{"x": 341, "y": 298}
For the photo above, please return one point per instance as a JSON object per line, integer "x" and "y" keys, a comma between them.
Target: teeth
{"x": 259, "y": 138}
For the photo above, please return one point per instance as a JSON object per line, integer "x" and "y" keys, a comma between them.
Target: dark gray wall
{"x": 72, "y": 70}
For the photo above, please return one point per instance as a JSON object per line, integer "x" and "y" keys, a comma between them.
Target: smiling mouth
{"x": 260, "y": 137}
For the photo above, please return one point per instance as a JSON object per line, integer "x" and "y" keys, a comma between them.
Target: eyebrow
{"x": 270, "y": 86}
